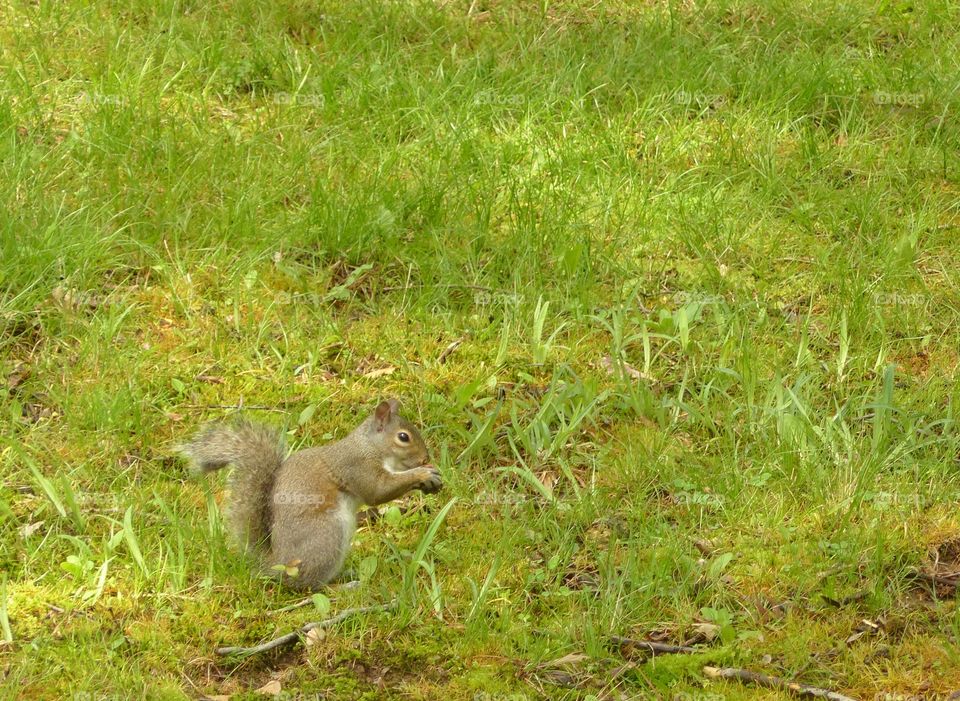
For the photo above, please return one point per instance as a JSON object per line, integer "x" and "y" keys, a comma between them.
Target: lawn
{"x": 672, "y": 288}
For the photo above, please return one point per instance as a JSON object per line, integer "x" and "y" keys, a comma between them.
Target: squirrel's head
{"x": 399, "y": 440}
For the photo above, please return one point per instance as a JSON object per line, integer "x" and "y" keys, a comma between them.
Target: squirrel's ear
{"x": 382, "y": 414}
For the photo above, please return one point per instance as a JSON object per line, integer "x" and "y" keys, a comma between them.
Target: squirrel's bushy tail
{"x": 256, "y": 452}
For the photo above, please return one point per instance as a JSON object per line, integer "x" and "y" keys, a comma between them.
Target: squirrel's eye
{"x": 403, "y": 437}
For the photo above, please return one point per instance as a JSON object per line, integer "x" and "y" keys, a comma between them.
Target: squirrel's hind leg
{"x": 318, "y": 546}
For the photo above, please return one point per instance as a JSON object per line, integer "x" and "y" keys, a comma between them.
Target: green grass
{"x": 703, "y": 261}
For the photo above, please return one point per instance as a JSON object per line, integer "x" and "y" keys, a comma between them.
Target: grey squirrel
{"x": 301, "y": 510}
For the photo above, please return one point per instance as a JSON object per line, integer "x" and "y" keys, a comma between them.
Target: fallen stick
{"x": 845, "y": 600}
{"x": 294, "y": 606}
{"x": 448, "y": 350}
{"x": 396, "y": 288}
{"x": 654, "y": 648}
{"x": 339, "y": 586}
{"x": 947, "y": 580}
{"x": 246, "y": 407}
{"x": 294, "y": 636}
{"x": 748, "y": 677}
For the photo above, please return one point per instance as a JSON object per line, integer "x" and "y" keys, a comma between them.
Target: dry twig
{"x": 652, "y": 648}
{"x": 758, "y": 679}
{"x": 294, "y": 636}
{"x": 448, "y": 350}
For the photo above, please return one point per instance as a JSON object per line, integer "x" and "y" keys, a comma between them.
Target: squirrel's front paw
{"x": 430, "y": 481}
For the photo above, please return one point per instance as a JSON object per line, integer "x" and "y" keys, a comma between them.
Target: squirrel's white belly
{"x": 347, "y": 517}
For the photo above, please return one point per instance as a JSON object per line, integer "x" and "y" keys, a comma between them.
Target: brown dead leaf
{"x": 548, "y": 479}
{"x": 661, "y": 635}
{"x": 558, "y": 677}
{"x": 271, "y": 688}
{"x": 74, "y": 299}
{"x": 224, "y": 114}
{"x": 581, "y": 576}
{"x": 210, "y": 379}
{"x": 941, "y": 573}
{"x": 606, "y": 362}
{"x": 16, "y": 376}
{"x": 865, "y": 627}
{"x": 30, "y": 529}
{"x": 570, "y": 658}
{"x": 128, "y": 459}
{"x": 946, "y": 553}
{"x": 305, "y": 377}
{"x": 314, "y": 636}
{"x": 703, "y": 633}
{"x": 704, "y": 546}
{"x": 379, "y": 372}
